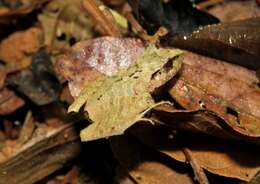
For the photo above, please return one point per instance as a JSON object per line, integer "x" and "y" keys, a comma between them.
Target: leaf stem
{"x": 200, "y": 176}
{"x": 108, "y": 26}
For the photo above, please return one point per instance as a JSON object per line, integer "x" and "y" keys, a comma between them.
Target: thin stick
{"x": 27, "y": 129}
{"x": 206, "y": 4}
{"x": 142, "y": 33}
{"x": 108, "y": 26}
{"x": 200, "y": 176}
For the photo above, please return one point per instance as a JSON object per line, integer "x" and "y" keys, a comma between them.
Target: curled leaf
{"x": 145, "y": 165}
{"x": 229, "y": 97}
{"x": 9, "y": 102}
{"x": 225, "y": 158}
{"x": 236, "y": 42}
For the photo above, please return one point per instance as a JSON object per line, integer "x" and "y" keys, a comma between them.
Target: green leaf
{"x": 116, "y": 103}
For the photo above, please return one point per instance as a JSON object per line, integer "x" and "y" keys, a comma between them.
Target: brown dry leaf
{"x": 89, "y": 59}
{"x": 27, "y": 6}
{"x": 2, "y": 76}
{"x": 192, "y": 121}
{"x": 9, "y": 102}
{"x": 34, "y": 157}
{"x": 225, "y": 11}
{"x": 72, "y": 176}
{"x": 65, "y": 22}
{"x": 2, "y": 136}
{"x": 144, "y": 165}
{"x": 66, "y": 95}
{"x": 9, "y": 147}
{"x": 236, "y": 42}
{"x": 16, "y": 50}
{"x": 229, "y": 97}
{"x": 230, "y": 159}
{"x": 220, "y": 67}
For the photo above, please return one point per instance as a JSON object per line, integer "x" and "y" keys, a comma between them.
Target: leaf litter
{"x": 167, "y": 115}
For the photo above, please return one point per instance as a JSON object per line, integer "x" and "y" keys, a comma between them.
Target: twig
{"x": 206, "y": 4}
{"x": 200, "y": 176}
{"x": 142, "y": 33}
{"x": 108, "y": 26}
{"x": 27, "y": 129}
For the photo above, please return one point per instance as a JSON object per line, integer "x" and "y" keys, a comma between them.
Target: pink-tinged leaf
{"x": 89, "y": 59}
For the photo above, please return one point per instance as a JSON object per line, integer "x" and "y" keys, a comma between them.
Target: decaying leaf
{"x": 2, "y": 76}
{"x": 232, "y": 99}
{"x": 236, "y": 42}
{"x": 144, "y": 165}
{"x": 8, "y": 148}
{"x": 9, "y": 102}
{"x": 115, "y": 103}
{"x": 16, "y": 50}
{"x": 185, "y": 118}
{"x": 34, "y": 157}
{"x": 224, "y": 158}
{"x": 38, "y": 82}
{"x": 20, "y": 7}
{"x": 89, "y": 59}
{"x": 193, "y": 121}
{"x": 66, "y": 95}
{"x": 64, "y": 23}
{"x": 220, "y": 67}
{"x": 225, "y": 11}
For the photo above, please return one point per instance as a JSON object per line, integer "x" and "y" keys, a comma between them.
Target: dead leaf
{"x": 9, "y": 102}
{"x": 225, "y": 11}
{"x": 8, "y": 149}
{"x": 115, "y": 103}
{"x": 220, "y": 157}
{"x": 72, "y": 176}
{"x": 34, "y": 157}
{"x": 66, "y": 95}
{"x": 21, "y": 7}
{"x": 144, "y": 165}
{"x": 2, "y": 136}
{"x": 65, "y": 23}
{"x": 220, "y": 67}
{"x": 2, "y": 76}
{"x": 232, "y": 99}
{"x": 38, "y": 82}
{"x": 89, "y": 59}
{"x": 193, "y": 121}
{"x": 235, "y": 42}
{"x": 16, "y": 50}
